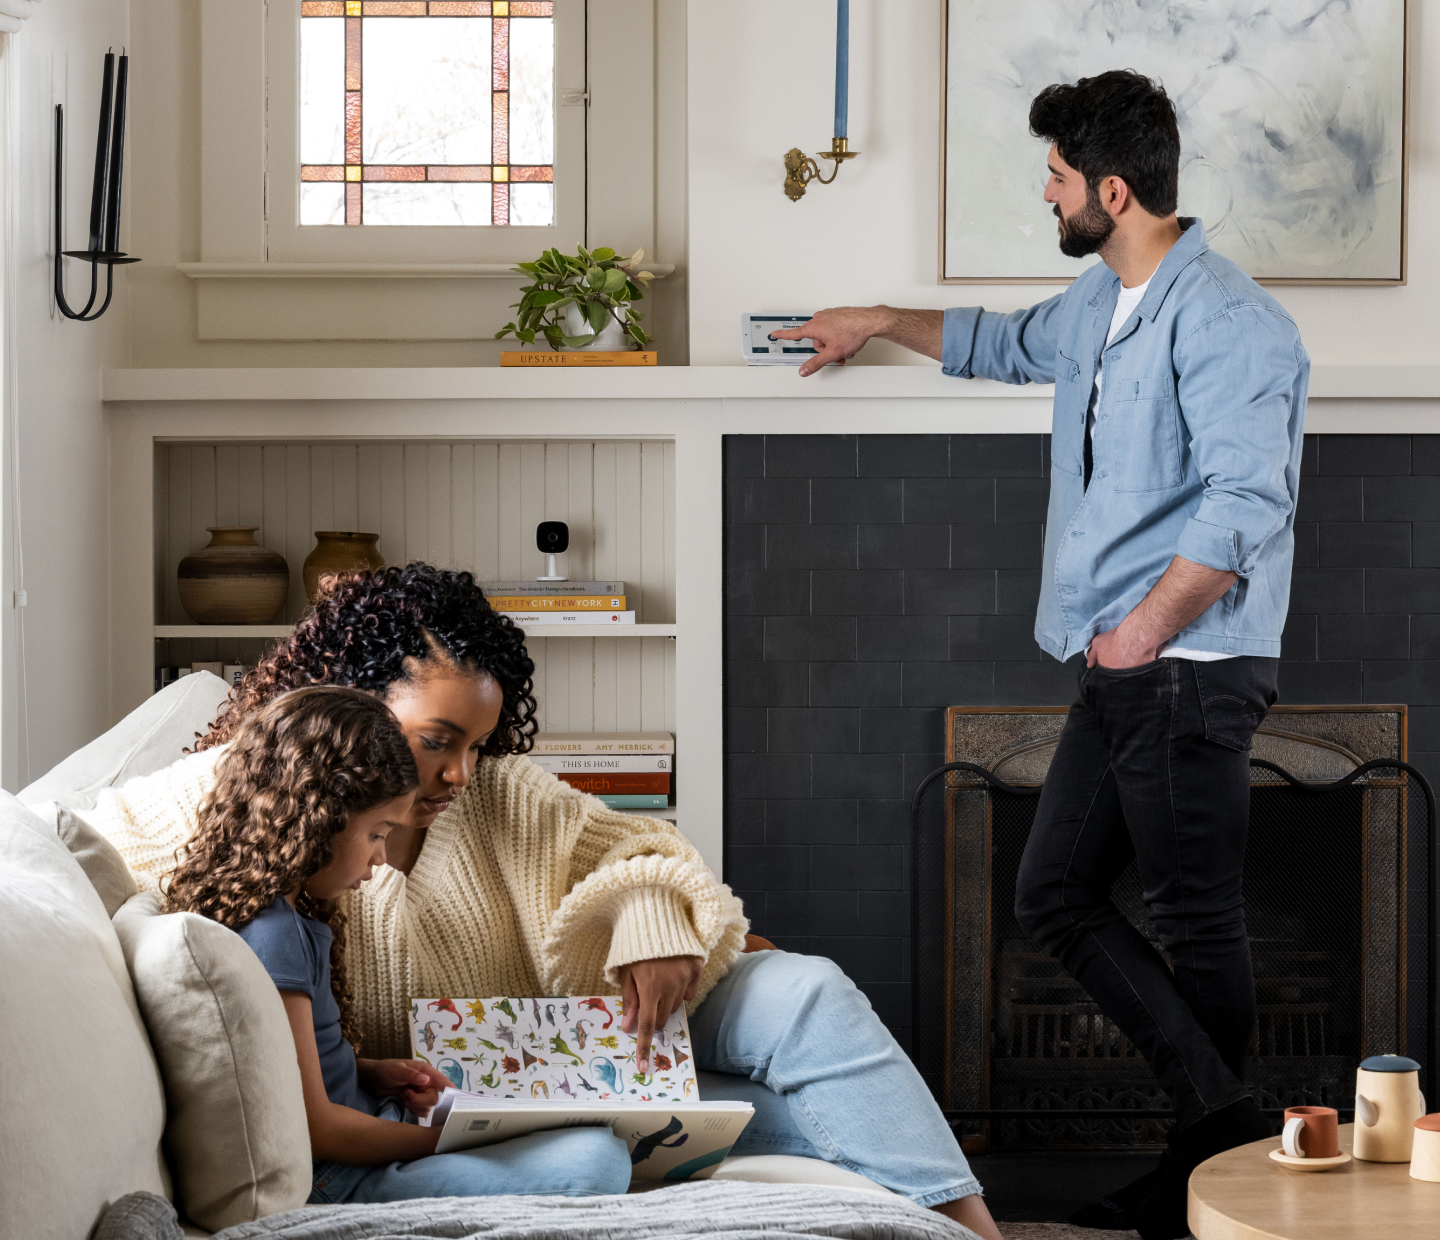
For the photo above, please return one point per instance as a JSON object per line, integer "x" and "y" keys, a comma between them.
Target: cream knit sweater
{"x": 524, "y": 887}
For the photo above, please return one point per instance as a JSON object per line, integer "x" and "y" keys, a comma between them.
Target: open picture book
{"x": 520, "y": 1065}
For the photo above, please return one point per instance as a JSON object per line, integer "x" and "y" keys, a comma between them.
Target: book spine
{"x": 618, "y": 743}
{"x": 635, "y": 800}
{"x": 557, "y": 602}
{"x": 571, "y": 617}
{"x": 491, "y": 588}
{"x": 605, "y": 783}
{"x": 538, "y": 357}
{"x": 600, "y": 764}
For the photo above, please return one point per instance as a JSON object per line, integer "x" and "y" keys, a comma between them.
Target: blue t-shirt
{"x": 295, "y": 951}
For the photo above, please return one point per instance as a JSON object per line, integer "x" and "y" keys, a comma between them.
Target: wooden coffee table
{"x": 1243, "y": 1195}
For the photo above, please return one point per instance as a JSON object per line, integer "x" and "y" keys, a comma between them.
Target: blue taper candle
{"x": 842, "y": 67}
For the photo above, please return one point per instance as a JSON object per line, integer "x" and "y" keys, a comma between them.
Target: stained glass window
{"x": 425, "y": 112}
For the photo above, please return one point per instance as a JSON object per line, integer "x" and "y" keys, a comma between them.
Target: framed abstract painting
{"x": 1292, "y": 121}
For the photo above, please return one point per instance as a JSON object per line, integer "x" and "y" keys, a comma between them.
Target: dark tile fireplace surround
{"x": 872, "y": 581}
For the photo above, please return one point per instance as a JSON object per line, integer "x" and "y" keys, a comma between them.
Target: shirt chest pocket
{"x": 1067, "y": 443}
{"x": 1144, "y": 429}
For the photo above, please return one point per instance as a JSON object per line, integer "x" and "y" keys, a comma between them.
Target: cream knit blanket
{"x": 524, "y": 887}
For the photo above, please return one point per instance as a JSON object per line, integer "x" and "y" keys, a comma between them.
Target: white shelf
{"x": 913, "y": 382}
{"x": 531, "y": 630}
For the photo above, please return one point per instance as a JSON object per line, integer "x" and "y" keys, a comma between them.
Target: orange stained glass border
{"x": 427, "y": 172}
{"x": 427, "y": 8}
{"x": 355, "y": 170}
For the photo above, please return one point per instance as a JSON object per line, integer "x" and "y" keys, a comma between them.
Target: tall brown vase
{"x": 233, "y": 580}
{"x": 340, "y": 551}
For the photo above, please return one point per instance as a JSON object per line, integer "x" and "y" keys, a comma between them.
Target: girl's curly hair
{"x": 367, "y": 626}
{"x": 296, "y": 771}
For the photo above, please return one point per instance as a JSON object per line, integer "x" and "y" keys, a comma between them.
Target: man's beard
{"x": 1087, "y": 230}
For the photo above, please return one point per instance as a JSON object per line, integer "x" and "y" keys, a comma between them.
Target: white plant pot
{"x": 613, "y": 338}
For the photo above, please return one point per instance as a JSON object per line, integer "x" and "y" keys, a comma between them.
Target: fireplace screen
{"x": 1335, "y": 889}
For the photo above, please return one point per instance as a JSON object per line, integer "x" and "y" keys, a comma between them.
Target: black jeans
{"x": 1153, "y": 763}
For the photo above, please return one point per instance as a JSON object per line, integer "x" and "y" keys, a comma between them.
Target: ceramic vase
{"x": 233, "y": 580}
{"x": 340, "y": 551}
{"x": 612, "y": 337}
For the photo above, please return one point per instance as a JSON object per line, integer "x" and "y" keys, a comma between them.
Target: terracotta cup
{"x": 1425, "y": 1157}
{"x": 1311, "y": 1132}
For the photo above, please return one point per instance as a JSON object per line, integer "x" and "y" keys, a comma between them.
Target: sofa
{"x": 144, "y": 1052}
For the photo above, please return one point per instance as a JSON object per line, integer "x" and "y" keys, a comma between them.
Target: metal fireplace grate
{"x": 1017, "y": 1054}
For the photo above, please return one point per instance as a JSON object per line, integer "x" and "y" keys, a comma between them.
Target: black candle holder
{"x": 104, "y": 199}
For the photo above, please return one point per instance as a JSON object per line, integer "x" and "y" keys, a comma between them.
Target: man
{"x": 1179, "y": 402}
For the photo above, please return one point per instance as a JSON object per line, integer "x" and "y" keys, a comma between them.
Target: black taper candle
{"x": 102, "y": 154}
{"x": 117, "y": 159}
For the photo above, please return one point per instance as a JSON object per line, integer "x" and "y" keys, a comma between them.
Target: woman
{"x": 507, "y": 881}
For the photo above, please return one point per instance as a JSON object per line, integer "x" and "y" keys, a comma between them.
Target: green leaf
{"x": 527, "y": 336}
{"x": 505, "y": 331}
{"x": 528, "y": 268}
{"x": 577, "y": 342}
{"x": 597, "y": 314}
{"x": 594, "y": 277}
{"x": 614, "y": 282}
{"x": 602, "y": 253}
{"x": 546, "y": 297}
{"x": 636, "y": 292}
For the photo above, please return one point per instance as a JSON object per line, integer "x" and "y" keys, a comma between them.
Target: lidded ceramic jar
{"x": 232, "y": 579}
{"x": 340, "y": 551}
{"x": 1387, "y": 1104}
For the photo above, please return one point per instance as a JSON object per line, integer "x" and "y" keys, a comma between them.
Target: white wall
{"x": 762, "y": 81}
{"x": 53, "y": 393}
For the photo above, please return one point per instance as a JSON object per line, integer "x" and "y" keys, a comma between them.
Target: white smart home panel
{"x": 760, "y": 350}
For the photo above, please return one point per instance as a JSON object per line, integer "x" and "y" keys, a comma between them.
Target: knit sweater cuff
{"x": 651, "y": 923}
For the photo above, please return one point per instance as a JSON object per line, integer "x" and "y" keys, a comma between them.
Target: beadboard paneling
{"x": 471, "y": 505}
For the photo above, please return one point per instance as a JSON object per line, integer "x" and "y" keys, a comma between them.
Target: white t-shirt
{"x": 1125, "y": 306}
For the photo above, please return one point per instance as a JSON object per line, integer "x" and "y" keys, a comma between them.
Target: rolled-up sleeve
{"x": 1013, "y": 348}
{"x": 1240, "y": 380}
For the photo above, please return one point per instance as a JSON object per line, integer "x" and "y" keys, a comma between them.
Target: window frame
{"x": 287, "y": 240}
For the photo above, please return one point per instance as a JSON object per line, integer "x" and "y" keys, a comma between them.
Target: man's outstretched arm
{"x": 841, "y": 332}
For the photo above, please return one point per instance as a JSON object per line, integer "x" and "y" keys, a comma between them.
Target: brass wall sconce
{"x": 800, "y": 169}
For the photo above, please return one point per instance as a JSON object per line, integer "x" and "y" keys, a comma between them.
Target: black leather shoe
{"x": 1118, "y": 1211}
{"x": 1163, "y": 1215}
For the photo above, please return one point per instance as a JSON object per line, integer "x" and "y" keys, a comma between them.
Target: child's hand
{"x": 414, "y": 1082}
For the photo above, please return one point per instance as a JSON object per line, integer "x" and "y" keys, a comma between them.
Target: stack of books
{"x": 560, "y": 602}
{"x": 230, "y": 673}
{"x": 626, "y": 770}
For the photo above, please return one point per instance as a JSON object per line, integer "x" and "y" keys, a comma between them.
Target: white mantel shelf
{"x": 670, "y": 383}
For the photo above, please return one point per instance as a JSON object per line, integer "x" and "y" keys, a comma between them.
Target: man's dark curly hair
{"x": 1116, "y": 124}
{"x": 367, "y": 626}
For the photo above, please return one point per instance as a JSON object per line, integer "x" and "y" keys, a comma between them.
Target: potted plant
{"x": 582, "y": 301}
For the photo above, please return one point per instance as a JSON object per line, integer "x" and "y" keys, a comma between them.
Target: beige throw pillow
{"x": 103, "y": 865}
{"x": 235, "y": 1130}
{"x": 81, "y": 1105}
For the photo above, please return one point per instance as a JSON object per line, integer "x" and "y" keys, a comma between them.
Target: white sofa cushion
{"x": 236, "y": 1134}
{"x": 148, "y": 739}
{"x": 793, "y": 1169}
{"x": 84, "y": 1108}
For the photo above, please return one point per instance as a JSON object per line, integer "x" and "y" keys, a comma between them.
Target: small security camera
{"x": 552, "y": 537}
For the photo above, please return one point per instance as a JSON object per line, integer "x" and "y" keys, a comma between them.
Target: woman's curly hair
{"x": 296, "y": 772}
{"x": 367, "y": 626}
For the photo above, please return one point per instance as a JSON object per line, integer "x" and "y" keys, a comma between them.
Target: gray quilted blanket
{"x": 716, "y": 1210}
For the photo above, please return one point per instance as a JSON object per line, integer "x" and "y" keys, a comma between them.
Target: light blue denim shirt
{"x": 1196, "y": 444}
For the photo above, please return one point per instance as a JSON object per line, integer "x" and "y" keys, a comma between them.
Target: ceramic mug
{"x": 1425, "y": 1156}
{"x": 1311, "y": 1132}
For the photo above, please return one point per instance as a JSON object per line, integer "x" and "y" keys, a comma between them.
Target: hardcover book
{"x": 619, "y": 743}
{"x": 495, "y": 588}
{"x": 538, "y": 357}
{"x": 584, "y": 764}
{"x": 556, "y": 602}
{"x": 521, "y": 1065}
{"x": 605, "y": 783}
{"x": 570, "y": 617}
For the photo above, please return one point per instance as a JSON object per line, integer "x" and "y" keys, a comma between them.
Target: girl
{"x": 505, "y": 881}
{"x": 303, "y": 802}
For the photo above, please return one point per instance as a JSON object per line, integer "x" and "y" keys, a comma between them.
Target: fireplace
{"x": 1000, "y": 1026}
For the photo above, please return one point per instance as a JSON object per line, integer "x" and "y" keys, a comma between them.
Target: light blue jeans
{"x": 565, "y": 1162}
{"x": 789, "y": 1034}
{"x": 795, "y": 1038}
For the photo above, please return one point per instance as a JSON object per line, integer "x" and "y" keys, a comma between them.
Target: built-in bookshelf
{"x": 470, "y": 504}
